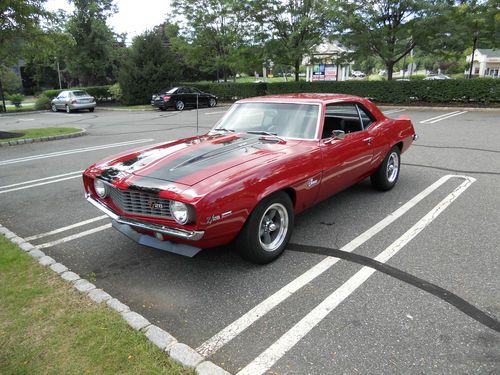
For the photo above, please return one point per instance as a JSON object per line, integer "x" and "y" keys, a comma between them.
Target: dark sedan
{"x": 182, "y": 97}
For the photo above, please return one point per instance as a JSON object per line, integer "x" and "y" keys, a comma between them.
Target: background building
{"x": 486, "y": 63}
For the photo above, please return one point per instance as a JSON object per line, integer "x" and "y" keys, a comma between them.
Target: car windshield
{"x": 80, "y": 93}
{"x": 292, "y": 120}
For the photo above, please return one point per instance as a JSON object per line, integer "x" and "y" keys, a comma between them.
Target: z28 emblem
{"x": 155, "y": 205}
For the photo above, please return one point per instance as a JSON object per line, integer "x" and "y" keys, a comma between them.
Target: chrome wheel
{"x": 67, "y": 109}
{"x": 212, "y": 102}
{"x": 179, "y": 105}
{"x": 392, "y": 167}
{"x": 273, "y": 227}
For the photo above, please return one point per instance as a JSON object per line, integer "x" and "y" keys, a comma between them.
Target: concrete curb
{"x": 178, "y": 352}
{"x": 22, "y": 113}
{"x": 44, "y": 139}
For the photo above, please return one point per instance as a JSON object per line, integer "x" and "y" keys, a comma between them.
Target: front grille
{"x": 140, "y": 203}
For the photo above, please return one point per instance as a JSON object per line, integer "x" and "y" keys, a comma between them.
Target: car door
{"x": 60, "y": 101}
{"x": 202, "y": 97}
{"x": 345, "y": 159}
{"x": 189, "y": 97}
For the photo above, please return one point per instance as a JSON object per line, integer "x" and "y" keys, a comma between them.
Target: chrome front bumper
{"x": 192, "y": 235}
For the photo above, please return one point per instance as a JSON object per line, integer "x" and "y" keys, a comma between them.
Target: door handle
{"x": 369, "y": 139}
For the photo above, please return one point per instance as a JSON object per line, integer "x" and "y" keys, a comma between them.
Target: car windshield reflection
{"x": 291, "y": 120}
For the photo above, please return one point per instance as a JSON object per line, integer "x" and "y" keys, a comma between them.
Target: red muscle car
{"x": 266, "y": 160}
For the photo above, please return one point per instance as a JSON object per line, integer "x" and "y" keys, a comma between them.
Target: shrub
{"x": 42, "y": 102}
{"x": 100, "y": 93}
{"x": 16, "y": 99}
{"x": 116, "y": 92}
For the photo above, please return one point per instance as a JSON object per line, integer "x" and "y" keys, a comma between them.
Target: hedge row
{"x": 481, "y": 91}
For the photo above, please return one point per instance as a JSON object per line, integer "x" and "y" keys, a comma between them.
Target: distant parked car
{"x": 437, "y": 77}
{"x": 358, "y": 74}
{"x": 73, "y": 100}
{"x": 181, "y": 97}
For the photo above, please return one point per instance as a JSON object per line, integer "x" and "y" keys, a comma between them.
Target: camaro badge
{"x": 311, "y": 182}
{"x": 213, "y": 218}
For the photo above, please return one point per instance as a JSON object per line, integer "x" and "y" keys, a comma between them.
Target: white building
{"x": 486, "y": 63}
{"x": 327, "y": 62}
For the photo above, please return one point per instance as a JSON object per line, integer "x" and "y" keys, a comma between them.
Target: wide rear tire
{"x": 267, "y": 230}
{"x": 386, "y": 176}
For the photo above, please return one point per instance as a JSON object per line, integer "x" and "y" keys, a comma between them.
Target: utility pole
{"x": 472, "y": 57}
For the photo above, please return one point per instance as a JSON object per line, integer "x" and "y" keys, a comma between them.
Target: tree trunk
{"x": 297, "y": 67}
{"x": 472, "y": 57}
{"x": 389, "y": 66}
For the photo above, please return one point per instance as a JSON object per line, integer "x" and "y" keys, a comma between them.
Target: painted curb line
{"x": 44, "y": 139}
{"x": 178, "y": 352}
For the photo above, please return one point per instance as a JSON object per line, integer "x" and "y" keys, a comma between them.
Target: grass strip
{"x": 48, "y": 327}
{"x": 40, "y": 132}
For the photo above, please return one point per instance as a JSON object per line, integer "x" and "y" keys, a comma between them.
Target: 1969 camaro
{"x": 265, "y": 161}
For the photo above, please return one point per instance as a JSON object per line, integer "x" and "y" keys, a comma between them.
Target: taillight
{"x": 73, "y": 101}
{"x": 166, "y": 98}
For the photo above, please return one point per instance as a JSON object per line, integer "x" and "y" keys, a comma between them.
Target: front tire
{"x": 267, "y": 230}
{"x": 179, "y": 105}
{"x": 91, "y": 109}
{"x": 386, "y": 176}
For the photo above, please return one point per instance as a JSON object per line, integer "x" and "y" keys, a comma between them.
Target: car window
{"x": 293, "y": 120}
{"x": 181, "y": 90}
{"x": 366, "y": 118}
{"x": 195, "y": 90}
{"x": 341, "y": 116}
{"x": 80, "y": 93}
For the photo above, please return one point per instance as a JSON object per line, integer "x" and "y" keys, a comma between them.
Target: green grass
{"x": 23, "y": 108}
{"x": 40, "y": 132}
{"x": 47, "y": 327}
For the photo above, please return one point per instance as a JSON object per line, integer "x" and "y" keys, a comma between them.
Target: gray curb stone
{"x": 37, "y": 254}
{"x": 159, "y": 337}
{"x": 17, "y": 240}
{"x": 209, "y": 368}
{"x": 44, "y": 139}
{"x": 46, "y": 261}
{"x": 185, "y": 355}
{"x": 26, "y": 246}
{"x": 58, "y": 268}
{"x": 70, "y": 276}
{"x": 117, "y": 305}
{"x": 180, "y": 353}
{"x": 99, "y": 295}
{"x": 83, "y": 285}
{"x": 135, "y": 320}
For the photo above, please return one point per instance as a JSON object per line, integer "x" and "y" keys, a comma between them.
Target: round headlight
{"x": 100, "y": 188}
{"x": 180, "y": 212}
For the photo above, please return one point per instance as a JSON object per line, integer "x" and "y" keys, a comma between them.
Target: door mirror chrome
{"x": 338, "y": 134}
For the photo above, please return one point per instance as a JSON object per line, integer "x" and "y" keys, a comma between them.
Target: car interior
{"x": 348, "y": 117}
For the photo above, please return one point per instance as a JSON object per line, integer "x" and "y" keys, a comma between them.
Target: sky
{"x": 133, "y": 17}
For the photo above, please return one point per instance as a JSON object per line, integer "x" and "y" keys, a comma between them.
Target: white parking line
{"x": 288, "y": 340}
{"x": 40, "y": 184}
{"x": 394, "y": 111}
{"x": 63, "y": 229}
{"x": 74, "y": 236}
{"x": 432, "y": 120}
{"x": 239, "y": 325}
{"x": 40, "y": 179}
{"x": 214, "y": 113}
{"x": 74, "y": 151}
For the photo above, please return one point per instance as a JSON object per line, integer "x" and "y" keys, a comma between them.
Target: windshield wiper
{"x": 262, "y": 132}
{"x": 224, "y": 130}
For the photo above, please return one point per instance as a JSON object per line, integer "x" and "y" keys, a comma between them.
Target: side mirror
{"x": 338, "y": 134}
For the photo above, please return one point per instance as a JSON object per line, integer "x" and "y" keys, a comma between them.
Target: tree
{"x": 389, "y": 29}
{"x": 90, "y": 59}
{"x": 150, "y": 65}
{"x": 295, "y": 27}
{"x": 215, "y": 30}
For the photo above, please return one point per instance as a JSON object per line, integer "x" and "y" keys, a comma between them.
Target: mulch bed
{"x": 7, "y": 135}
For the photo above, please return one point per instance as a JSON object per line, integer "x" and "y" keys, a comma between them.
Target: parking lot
{"x": 405, "y": 281}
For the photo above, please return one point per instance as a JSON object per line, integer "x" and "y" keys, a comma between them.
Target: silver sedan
{"x": 71, "y": 100}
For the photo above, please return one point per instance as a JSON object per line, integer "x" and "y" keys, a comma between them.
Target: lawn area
{"x": 48, "y": 327}
{"x": 24, "y": 108}
{"x": 37, "y": 133}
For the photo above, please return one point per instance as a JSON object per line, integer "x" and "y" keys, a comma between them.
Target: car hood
{"x": 189, "y": 161}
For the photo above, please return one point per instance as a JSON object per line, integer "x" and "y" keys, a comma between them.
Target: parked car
{"x": 358, "y": 74}
{"x": 182, "y": 97}
{"x": 73, "y": 100}
{"x": 265, "y": 161}
{"x": 437, "y": 77}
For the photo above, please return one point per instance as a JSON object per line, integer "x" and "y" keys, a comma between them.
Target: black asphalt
{"x": 431, "y": 309}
